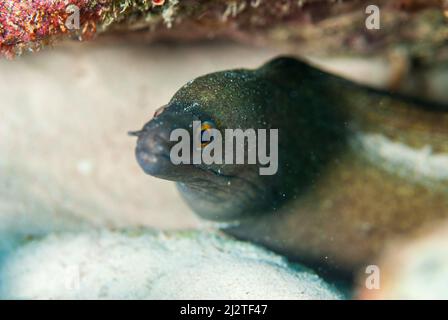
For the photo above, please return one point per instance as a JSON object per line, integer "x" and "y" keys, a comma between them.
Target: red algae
{"x": 25, "y": 24}
{"x": 158, "y": 2}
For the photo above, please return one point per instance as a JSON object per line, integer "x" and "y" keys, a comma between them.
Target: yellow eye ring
{"x": 205, "y": 126}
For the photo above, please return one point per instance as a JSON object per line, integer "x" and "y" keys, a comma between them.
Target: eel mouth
{"x": 153, "y": 155}
{"x": 155, "y": 164}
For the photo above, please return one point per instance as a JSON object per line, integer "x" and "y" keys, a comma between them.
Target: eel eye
{"x": 206, "y": 126}
{"x": 159, "y": 111}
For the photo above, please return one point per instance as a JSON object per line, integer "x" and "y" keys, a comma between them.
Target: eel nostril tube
{"x": 135, "y": 133}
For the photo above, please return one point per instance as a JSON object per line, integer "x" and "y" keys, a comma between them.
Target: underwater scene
{"x": 223, "y": 150}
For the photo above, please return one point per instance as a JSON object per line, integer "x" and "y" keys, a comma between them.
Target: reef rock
{"x": 410, "y": 35}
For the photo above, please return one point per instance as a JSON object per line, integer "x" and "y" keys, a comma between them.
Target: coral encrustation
{"x": 24, "y": 24}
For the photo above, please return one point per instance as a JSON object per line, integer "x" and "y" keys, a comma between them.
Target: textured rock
{"x": 326, "y": 24}
{"x": 411, "y": 37}
{"x": 153, "y": 265}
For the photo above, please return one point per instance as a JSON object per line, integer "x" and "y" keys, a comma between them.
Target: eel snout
{"x": 154, "y": 146}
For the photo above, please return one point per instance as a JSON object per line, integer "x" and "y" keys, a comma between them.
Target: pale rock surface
{"x": 413, "y": 268}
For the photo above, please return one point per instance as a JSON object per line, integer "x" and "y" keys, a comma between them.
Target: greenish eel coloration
{"x": 357, "y": 167}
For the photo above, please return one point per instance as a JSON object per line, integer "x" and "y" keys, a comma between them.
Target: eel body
{"x": 357, "y": 167}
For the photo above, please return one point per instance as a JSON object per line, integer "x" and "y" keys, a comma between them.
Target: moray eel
{"x": 356, "y": 166}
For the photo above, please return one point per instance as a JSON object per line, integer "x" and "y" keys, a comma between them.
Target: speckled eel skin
{"x": 357, "y": 167}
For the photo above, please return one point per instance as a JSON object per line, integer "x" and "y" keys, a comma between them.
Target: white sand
{"x": 153, "y": 265}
